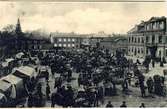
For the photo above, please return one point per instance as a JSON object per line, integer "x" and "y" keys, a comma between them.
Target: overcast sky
{"x": 117, "y": 17}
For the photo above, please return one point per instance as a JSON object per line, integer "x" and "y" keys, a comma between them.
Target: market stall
{"x": 16, "y": 82}
{"x": 5, "y": 88}
{"x": 25, "y": 72}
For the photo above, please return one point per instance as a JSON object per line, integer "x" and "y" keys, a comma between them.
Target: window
{"x": 69, "y": 39}
{"x": 147, "y": 51}
{"x": 132, "y": 49}
{"x": 60, "y": 45}
{"x": 153, "y": 39}
{"x": 59, "y": 40}
{"x": 69, "y": 45}
{"x": 73, "y": 45}
{"x": 147, "y": 39}
{"x": 64, "y": 40}
{"x": 139, "y": 50}
{"x": 161, "y": 25}
{"x": 132, "y": 39}
{"x": 142, "y": 50}
{"x": 166, "y": 52}
{"x": 73, "y": 40}
{"x": 154, "y": 25}
{"x": 159, "y": 53}
{"x": 64, "y": 45}
{"x": 129, "y": 39}
{"x": 160, "y": 39}
{"x": 55, "y": 45}
{"x": 139, "y": 40}
{"x": 135, "y": 39}
{"x": 142, "y": 40}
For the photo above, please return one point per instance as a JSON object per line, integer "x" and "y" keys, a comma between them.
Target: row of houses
{"x": 149, "y": 38}
{"x": 72, "y": 40}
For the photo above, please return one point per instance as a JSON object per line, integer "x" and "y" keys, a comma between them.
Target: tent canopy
{"x": 7, "y": 61}
{"x": 19, "y": 55}
{"x": 12, "y": 79}
{"x": 4, "y": 86}
{"x": 27, "y": 71}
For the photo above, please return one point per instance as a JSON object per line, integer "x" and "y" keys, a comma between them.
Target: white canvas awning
{"x": 13, "y": 79}
{"x": 4, "y": 86}
{"x": 26, "y": 70}
{"x": 19, "y": 55}
{"x": 7, "y": 61}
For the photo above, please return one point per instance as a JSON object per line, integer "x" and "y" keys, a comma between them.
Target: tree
{"x": 9, "y": 28}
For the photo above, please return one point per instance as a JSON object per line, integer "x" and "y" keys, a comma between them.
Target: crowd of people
{"x": 99, "y": 72}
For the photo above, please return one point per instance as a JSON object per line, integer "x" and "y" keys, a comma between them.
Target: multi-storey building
{"x": 149, "y": 38}
{"x": 114, "y": 43}
{"x": 67, "y": 40}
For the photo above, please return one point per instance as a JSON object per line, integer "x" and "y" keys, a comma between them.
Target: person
{"x": 47, "y": 91}
{"x": 109, "y": 105}
{"x": 123, "y": 104}
{"x": 56, "y": 98}
{"x": 39, "y": 100}
{"x": 100, "y": 95}
{"x": 69, "y": 97}
{"x": 30, "y": 100}
{"x": 47, "y": 75}
{"x": 150, "y": 85}
{"x": 138, "y": 62}
{"x": 58, "y": 82}
{"x": 69, "y": 73}
{"x": 141, "y": 84}
{"x": 96, "y": 98}
{"x": 142, "y": 105}
{"x": 124, "y": 85}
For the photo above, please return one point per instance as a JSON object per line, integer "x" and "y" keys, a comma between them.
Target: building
{"x": 114, "y": 43}
{"x": 149, "y": 38}
{"x": 95, "y": 39}
{"x": 67, "y": 40}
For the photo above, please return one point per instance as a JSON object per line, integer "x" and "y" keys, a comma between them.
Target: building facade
{"x": 149, "y": 38}
{"x": 67, "y": 40}
{"x": 114, "y": 43}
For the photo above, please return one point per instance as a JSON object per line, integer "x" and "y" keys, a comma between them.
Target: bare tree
{"x": 9, "y": 28}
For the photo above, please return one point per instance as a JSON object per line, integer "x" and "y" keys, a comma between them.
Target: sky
{"x": 79, "y": 17}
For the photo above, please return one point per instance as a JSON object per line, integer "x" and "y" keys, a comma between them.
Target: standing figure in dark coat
{"x": 30, "y": 100}
{"x": 47, "y": 75}
{"x": 141, "y": 84}
{"x": 150, "y": 85}
{"x": 69, "y": 97}
{"x": 109, "y": 105}
{"x": 58, "y": 82}
{"x": 100, "y": 95}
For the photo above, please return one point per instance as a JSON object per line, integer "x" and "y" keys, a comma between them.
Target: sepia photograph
{"x": 71, "y": 54}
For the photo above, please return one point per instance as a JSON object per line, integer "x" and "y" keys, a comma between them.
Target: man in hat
{"x": 109, "y": 105}
{"x": 123, "y": 104}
